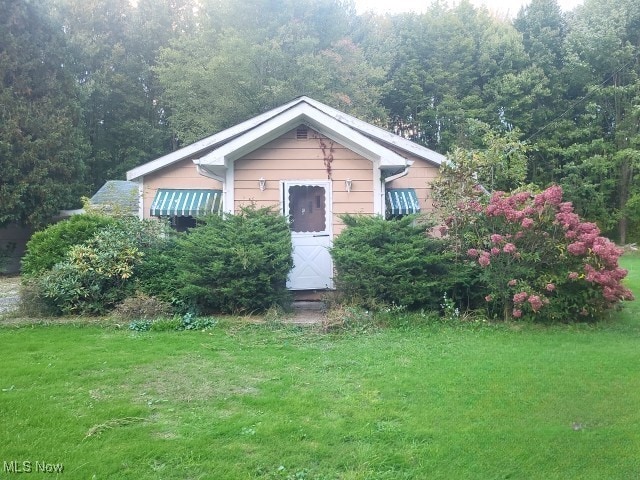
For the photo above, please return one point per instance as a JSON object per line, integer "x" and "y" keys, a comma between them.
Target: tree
{"x": 42, "y": 148}
{"x": 442, "y": 74}
{"x": 237, "y": 65}
{"x": 114, "y": 47}
{"x": 602, "y": 51}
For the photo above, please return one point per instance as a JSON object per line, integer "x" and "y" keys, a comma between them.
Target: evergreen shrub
{"x": 50, "y": 246}
{"x": 382, "y": 263}
{"x": 235, "y": 264}
{"x": 158, "y": 273}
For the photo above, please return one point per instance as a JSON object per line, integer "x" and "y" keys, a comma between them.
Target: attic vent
{"x": 302, "y": 132}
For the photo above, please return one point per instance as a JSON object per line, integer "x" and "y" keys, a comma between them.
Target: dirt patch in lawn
{"x": 194, "y": 379}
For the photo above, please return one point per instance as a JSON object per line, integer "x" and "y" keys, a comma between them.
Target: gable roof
{"x": 218, "y": 150}
{"x": 117, "y": 194}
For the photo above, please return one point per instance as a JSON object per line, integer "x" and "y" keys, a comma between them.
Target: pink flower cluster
{"x": 535, "y": 301}
{"x": 515, "y": 208}
{"x": 509, "y": 248}
{"x": 610, "y": 281}
{"x": 520, "y": 297}
{"x": 540, "y": 226}
{"x": 551, "y": 196}
{"x": 484, "y": 257}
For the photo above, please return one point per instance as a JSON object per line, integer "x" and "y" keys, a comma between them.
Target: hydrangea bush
{"x": 538, "y": 259}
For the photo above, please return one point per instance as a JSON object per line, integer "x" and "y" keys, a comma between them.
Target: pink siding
{"x": 420, "y": 176}
{"x": 180, "y": 175}
{"x": 288, "y": 158}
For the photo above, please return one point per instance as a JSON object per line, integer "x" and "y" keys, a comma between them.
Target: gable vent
{"x": 302, "y": 132}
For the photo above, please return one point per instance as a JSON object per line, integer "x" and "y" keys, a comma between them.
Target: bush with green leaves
{"x": 158, "y": 273}
{"x": 175, "y": 323}
{"x": 99, "y": 273}
{"x": 538, "y": 259}
{"x": 237, "y": 264}
{"x": 51, "y": 245}
{"x": 382, "y": 263}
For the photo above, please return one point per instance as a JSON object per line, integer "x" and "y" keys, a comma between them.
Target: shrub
{"x": 98, "y": 274}
{"x": 158, "y": 273}
{"x": 381, "y": 262}
{"x": 32, "y": 300}
{"x": 236, "y": 264}
{"x": 50, "y": 246}
{"x": 539, "y": 260}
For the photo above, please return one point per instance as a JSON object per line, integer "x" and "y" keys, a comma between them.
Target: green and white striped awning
{"x": 184, "y": 203}
{"x": 402, "y": 201}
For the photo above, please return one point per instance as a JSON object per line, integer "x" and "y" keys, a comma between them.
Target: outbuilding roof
{"x": 118, "y": 195}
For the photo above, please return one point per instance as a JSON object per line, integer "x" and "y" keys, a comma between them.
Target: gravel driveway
{"x": 9, "y": 293}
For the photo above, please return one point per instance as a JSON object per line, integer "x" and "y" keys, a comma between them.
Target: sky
{"x": 508, "y": 8}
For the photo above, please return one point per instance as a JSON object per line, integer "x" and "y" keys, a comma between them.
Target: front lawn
{"x": 438, "y": 401}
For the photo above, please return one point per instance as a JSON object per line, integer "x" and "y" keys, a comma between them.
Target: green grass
{"x": 438, "y": 401}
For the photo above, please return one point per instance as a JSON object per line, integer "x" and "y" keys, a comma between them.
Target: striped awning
{"x": 184, "y": 203}
{"x": 402, "y": 201}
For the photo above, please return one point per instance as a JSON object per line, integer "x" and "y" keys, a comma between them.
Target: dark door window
{"x": 307, "y": 208}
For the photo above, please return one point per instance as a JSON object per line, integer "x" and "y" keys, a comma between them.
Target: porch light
{"x": 347, "y": 184}
{"x": 262, "y": 183}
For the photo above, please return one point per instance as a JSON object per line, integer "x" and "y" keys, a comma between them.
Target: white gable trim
{"x": 204, "y": 144}
{"x": 379, "y": 133}
{"x": 378, "y": 204}
{"x": 278, "y": 125}
{"x": 350, "y": 128}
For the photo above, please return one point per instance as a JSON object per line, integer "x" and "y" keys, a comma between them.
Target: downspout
{"x": 391, "y": 179}
{"x": 397, "y": 175}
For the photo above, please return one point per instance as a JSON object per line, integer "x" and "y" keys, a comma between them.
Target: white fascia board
{"x": 379, "y": 133}
{"x": 378, "y": 192}
{"x": 229, "y": 192}
{"x": 291, "y": 118}
{"x": 205, "y": 143}
{"x": 141, "y": 198}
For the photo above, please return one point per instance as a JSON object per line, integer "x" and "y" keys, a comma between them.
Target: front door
{"x": 308, "y": 207}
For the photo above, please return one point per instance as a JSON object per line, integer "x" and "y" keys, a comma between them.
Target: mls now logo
{"x": 28, "y": 467}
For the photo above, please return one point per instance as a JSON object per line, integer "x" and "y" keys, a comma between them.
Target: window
{"x": 307, "y": 208}
{"x": 182, "y": 224}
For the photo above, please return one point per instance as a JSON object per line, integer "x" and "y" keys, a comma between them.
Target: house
{"x": 309, "y": 160}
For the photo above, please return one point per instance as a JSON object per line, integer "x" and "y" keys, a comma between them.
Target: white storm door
{"x": 307, "y": 205}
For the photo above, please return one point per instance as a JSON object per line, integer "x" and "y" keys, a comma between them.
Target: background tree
{"x": 42, "y": 149}
{"x": 114, "y": 47}
{"x": 602, "y": 62}
{"x": 237, "y": 64}
{"x": 443, "y": 71}
{"x": 110, "y": 84}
